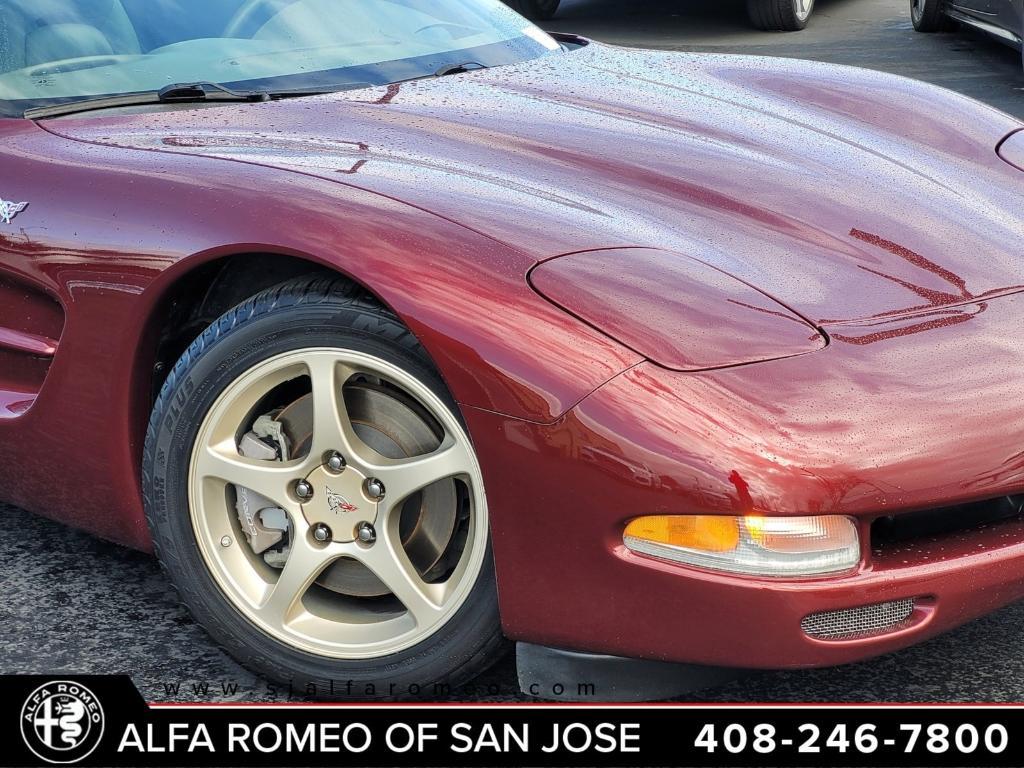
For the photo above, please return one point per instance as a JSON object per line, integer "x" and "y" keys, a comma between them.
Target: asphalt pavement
{"x": 76, "y": 604}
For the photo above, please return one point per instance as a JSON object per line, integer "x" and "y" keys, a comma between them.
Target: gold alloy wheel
{"x": 349, "y": 508}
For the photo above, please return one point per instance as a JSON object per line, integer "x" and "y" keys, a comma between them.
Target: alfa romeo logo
{"x": 62, "y": 722}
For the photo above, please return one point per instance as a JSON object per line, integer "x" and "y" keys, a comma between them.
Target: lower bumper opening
{"x": 861, "y": 622}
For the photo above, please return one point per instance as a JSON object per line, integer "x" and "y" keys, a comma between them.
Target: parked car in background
{"x": 771, "y": 15}
{"x": 1002, "y": 19}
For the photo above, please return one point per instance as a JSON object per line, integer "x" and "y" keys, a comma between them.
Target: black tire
{"x": 541, "y": 10}
{"x": 927, "y": 16}
{"x": 779, "y": 15}
{"x": 304, "y": 313}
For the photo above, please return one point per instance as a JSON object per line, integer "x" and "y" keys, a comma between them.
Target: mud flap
{"x": 550, "y": 673}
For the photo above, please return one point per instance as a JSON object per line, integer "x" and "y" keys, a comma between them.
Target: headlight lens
{"x": 752, "y": 545}
{"x": 679, "y": 313}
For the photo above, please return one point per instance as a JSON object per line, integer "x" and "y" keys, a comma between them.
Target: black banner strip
{"x": 94, "y": 721}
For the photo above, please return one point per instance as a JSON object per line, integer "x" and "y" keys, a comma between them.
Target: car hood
{"x": 842, "y": 193}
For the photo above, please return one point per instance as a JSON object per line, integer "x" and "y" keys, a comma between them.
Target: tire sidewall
{"x": 929, "y": 16}
{"x": 917, "y": 11}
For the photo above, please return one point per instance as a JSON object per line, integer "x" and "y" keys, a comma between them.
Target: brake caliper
{"x": 264, "y": 523}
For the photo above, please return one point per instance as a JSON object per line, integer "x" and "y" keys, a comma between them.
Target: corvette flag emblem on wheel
{"x": 9, "y": 210}
{"x": 339, "y": 504}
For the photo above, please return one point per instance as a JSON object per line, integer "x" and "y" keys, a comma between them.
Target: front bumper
{"x": 899, "y": 415}
{"x": 758, "y": 624}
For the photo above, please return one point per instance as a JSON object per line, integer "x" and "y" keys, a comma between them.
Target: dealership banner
{"x": 104, "y": 721}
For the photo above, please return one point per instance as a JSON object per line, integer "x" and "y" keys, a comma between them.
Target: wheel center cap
{"x": 339, "y": 502}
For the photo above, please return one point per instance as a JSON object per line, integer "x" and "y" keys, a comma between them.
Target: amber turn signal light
{"x": 709, "y": 533}
{"x": 752, "y": 545}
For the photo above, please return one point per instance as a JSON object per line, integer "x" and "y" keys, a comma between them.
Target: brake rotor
{"x": 396, "y": 427}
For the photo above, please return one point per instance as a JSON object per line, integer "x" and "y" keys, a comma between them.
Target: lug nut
{"x": 225, "y": 542}
{"x": 336, "y": 462}
{"x": 366, "y": 533}
{"x": 304, "y": 490}
{"x": 321, "y": 533}
{"x": 375, "y": 489}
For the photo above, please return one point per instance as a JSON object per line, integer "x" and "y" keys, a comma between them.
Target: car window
{"x": 58, "y": 50}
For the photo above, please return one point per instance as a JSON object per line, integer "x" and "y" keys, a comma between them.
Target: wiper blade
{"x": 179, "y": 93}
{"x": 189, "y": 92}
{"x": 455, "y": 69}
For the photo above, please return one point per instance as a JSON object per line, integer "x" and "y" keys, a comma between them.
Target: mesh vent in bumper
{"x": 867, "y": 620}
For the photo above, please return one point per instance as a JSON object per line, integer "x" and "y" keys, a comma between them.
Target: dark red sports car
{"x": 399, "y": 327}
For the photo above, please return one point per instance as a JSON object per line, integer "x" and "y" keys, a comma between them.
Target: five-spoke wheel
{"x": 372, "y": 490}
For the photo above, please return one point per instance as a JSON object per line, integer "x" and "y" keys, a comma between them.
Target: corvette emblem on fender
{"x": 339, "y": 504}
{"x": 9, "y": 210}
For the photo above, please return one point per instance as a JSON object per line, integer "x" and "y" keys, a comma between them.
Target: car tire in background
{"x": 780, "y": 15}
{"x": 927, "y": 16}
{"x": 541, "y": 10}
{"x": 315, "y": 498}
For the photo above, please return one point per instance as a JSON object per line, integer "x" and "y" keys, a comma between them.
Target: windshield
{"x": 56, "y": 51}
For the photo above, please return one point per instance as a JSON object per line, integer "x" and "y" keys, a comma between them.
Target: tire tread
{"x": 774, "y": 15}
{"x": 932, "y": 19}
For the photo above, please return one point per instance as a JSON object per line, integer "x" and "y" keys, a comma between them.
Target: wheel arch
{"x": 194, "y": 293}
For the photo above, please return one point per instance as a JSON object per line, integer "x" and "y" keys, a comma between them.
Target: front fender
{"x": 111, "y": 230}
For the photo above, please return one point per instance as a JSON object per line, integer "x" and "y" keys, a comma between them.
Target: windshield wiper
{"x": 179, "y": 93}
{"x": 455, "y": 69}
{"x": 191, "y": 93}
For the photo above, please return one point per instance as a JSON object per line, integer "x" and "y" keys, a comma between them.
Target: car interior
{"x": 50, "y": 33}
{"x": 56, "y": 49}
